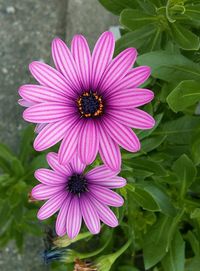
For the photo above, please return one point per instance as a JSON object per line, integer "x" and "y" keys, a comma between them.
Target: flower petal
{"x": 109, "y": 151}
{"x": 39, "y": 127}
{"x": 88, "y": 143}
{"x": 49, "y": 177}
{"x": 122, "y": 135}
{"x": 100, "y": 172}
{"x": 101, "y": 56}
{"x": 118, "y": 68}
{"x": 104, "y": 212}
{"x": 130, "y": 98}
{"x": 43, "y": 192}
{"x": 65, "y": 63}
{"x": 135, "y": 118}
{"x": 133, "y": 79}
{"x": 114, "y": 182}
{"x": 74, "y": 218}
{"x": 48, "y": 76}
{"x": 69, "y": 144}
{"x": 47, "y": 112}
{"x": 52, "y": 206}
{"x": 81, "y": 53}
{"x": 62, "y": 217}
{"x": 106, "y": 196}
{"x": 51, "y": 134}
{"x": 77, "y": 165}
{"x": 90, "y": 215}
{"x": 64, "y": 170}
{"x": 25, "y": 103}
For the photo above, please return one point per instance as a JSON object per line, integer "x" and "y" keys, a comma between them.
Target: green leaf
{"x": 184, "y": 95}
{"x": 186, "y": 173}
{"x": 195, "y": 150}
{"x": 161, "y": 198}
{"x": 193, "y": 12}
{"x": 116, "y": 6}
{"x": 143, "y": 198}
{"x": 184, "y": 37}
{"x": 170, "y": 67}
{"x": 133, "y": 19}
{"x": 158, "y": 239}
{"x": 135, "y": 38}
{"x": 175, "y": 258}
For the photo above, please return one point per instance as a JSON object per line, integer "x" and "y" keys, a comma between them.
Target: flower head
{"x": 77, "y": 194}
{"x": 89, "y": 101}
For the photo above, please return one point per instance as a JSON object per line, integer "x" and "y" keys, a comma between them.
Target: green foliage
{"x": 18, "y": 215}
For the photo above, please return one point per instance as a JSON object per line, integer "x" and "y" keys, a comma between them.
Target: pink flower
{"x": 76, "y": 195}
{"x": 89, "y": 101}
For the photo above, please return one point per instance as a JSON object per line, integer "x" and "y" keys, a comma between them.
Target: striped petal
{"x": 47, "y": 112}
{"x": 50, "y": 77}
{"x": 81, "y": 53}
{"x": 122, "y": 135}
{"x": 100, "y": 172}
{"x": 62, "y": 217}
{"x": 76, "y": 165}
{"x": 106, "y": 196}
{"x": 74, "y": 218}
{"x": 64, "y": 170}
{"x": 109, "y": 151}
{"x": 101, "y": 56}
{"x": 135, "y": 118}
{"x": 65, "y": 63}
{"x": 104, "y": 212}
{"x": 118, "y": 68}
{"x": 90, "y": 215}
{"x": 88, "y": 143}
{"x": 114, "y": 182}
{"x": 43, "y": 192}
{"x": 25, "y": 103}
{"x": 49, "y": 177}
{"x": 40, "y": 94}
{"x": 51, "y": 206}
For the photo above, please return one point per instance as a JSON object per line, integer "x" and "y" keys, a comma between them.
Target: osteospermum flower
{"x": 89, "y": 101}
{"x": 76, "y": 195}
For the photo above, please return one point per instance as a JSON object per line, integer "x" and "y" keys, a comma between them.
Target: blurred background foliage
{"x": 160, "y": 220}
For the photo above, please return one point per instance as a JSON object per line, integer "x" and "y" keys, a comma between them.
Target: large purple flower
{"x": 89, "y": 101}
{"x": 76, "y": 194}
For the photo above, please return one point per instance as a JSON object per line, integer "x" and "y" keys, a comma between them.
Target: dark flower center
{"x": 77, "y": 184}
{"x": 90, "y": 104}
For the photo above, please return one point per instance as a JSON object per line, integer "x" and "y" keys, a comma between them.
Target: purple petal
{"x": 25, "y": 103}
{"x": 88, "y": 143}
{"x": 64, "y": 170}
{"x": 51, "y": 134}
{"x": 74, "y": 218}
{"x": 90, "y": 215}
{"x": 81, "y": 53}
{"x": 106, "y": 196}
{"x": 52, "y": 206}
{"x": 49, "y": 177}
{"x": 47, "y": 76}
{"x": 104, "y": 212}
{"x": 135, "y": 118}
{"x": 133, "y": 79}
{"x": 39, "y": 94}
{"x": 68, "y": 146}
{"x": 62, "y": 217}
{"x": 122, "y": 135}
{"x": 43, "y": 192}
{"x": 101, "y": 56}
{"x": 65, "y": 63}
{"x": 129, "y": 98}
{"x": 39, "y": 127}
{"x": 76, "y": 165}
{"x": 114, "y": 182}
{"x": 109, "y": 151}
{"x": 47, "y": 112}
{"x": 118, "y": 68}
{"x": 100, "y": 172}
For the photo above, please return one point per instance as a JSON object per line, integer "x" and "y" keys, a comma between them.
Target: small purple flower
{"x": 77, "y": 194}
{"x": 89, "y": 101}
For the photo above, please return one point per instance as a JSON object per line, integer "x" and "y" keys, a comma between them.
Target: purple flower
{"x": 77, "y": 194}
{"x": 89, "y": 101}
